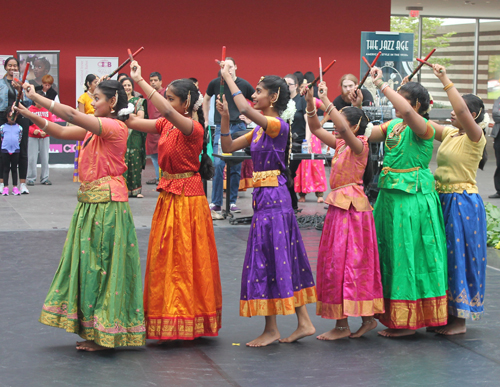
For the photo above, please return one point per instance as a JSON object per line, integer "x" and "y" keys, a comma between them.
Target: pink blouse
{"x": 103, "y": 156}
{"x": 346, "y": 178}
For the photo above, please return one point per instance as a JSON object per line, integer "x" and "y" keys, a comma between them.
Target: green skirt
{"x": 413, "y": 261}
{"x": 97, "y": 289}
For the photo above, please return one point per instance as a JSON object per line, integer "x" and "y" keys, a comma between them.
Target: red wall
{"x": 183, "y": 38}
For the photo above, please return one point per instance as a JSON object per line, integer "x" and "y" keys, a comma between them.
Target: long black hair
{"x": 353, "y": 115}
{"x": 415, "y": 92}
{"x": 476, "y": 105}
{"x": 110, "y": 88}
{"x": 183, "y": 88}
{"x": 274, "y": 85}
{"x": 88, "y": 81}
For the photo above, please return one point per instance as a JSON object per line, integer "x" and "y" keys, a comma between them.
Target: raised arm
{"x": 472, "y": 129}
{"x": 314, "y": 124}
{"x": 142, "y": 125}
{"x": 414, "y": 120}
{"x": 227, "y": 143}
{"x": 206, "y": 107}
{"x": 240, "y": 101}
{"x": 64, "y": 133}
{"x": 184, "y": 124}
{"x": 65, "y": 112}
{"x": 341, "y": 125}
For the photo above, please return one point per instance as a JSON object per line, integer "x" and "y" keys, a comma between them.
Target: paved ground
{"x": 32, "y": 233}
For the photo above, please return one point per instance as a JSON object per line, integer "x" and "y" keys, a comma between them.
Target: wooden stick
{"x": 20, "y": 93}
{"x": 221, "y": 91}
{"x": 318, "y": 77}
{"x": 420, "y": 65}
{"x": 125, "y": 63}
{"x": 369, "y": 69}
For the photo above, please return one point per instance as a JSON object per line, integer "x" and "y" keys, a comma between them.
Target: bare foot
{"x": 335, "y": 334}
{"x": 457, "y": 327}
{"x": 140, "y": 196}
{"x": 321, "y": 200}
{"x": 431, "y": 329}
{"x": 265, "y": 339}
{"x": 302, "y": 199}
{"x": 89, "y": 346}
{"x": 367, "y": 326}
{"x": 300, "y": 332}
{"x": 396, "y": 332}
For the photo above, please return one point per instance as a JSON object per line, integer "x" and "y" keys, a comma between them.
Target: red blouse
{"x": 178, "y": 153}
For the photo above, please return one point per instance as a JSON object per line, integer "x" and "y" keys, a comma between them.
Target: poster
{"x": 396, "y": 60}
{"x": 97, "y": 65}
{"x": 2, "y": 62}
{"x": 41, "y": 63}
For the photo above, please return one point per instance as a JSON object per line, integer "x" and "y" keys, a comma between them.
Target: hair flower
{"x": 289, "y": 112}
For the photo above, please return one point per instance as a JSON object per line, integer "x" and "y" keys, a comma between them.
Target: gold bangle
{"x": 330, "y": 110}
{"x": 52, "y": 106}
{"x": 45, "y": 126}
{"x": 311, "y": 112}
{"x": 151, "y": 94}
{"x": 448, "y": 86}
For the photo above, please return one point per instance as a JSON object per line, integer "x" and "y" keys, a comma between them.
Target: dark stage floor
{"x": 32, "y": 354}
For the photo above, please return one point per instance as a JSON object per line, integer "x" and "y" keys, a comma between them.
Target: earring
{"x": 277, "y": 97}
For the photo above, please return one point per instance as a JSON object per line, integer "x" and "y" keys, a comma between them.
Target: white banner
{"x": 92, "y": 65}
{"x": 2, "y": 62}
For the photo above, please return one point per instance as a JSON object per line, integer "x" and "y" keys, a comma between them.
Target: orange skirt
{"x": 182, "y": 295}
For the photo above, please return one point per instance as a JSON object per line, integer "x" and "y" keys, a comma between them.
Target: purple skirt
{"x": 276, "y": 277}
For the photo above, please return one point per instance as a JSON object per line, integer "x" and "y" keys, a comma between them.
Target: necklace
{"x": 91, "y": 95}
{"x": 398, "y": 129}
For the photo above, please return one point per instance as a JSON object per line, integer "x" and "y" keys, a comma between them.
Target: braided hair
{"x": 476, "y": 105}
{"x": 353, "y": 115}
{"x": 277, "y": 85}
{"x": 184, "y": 88}
{"x": 416, "y": 92}
{"x": 110, "y": 89}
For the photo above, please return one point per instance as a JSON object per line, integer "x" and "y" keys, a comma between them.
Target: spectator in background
{"x": 495, "y": 133}
{"x": 152, "y": 138}
{"x": 349, "y": 83}
{"x": 49, "y": 92}
{"x": 135, "y": 94}
{"x": 39, "y": 143}
{"x": 236, "y": 125}
{"x": 85, "y": 106}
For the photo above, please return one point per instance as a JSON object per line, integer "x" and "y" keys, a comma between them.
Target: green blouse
{"x": 406, "y": 160}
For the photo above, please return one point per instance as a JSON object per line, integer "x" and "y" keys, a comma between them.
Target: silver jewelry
{"x": 52, "y": 106}
{"x": 45, "y": 126}
{"x": 341, "y": 328}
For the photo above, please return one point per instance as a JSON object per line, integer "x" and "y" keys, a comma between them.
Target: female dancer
{"x": 408, "y": 217}
{"x": 348, "y": 278}
{"x": 182, "y": 294}
{"x": 96, "y": 291}
{"x": 276, "y": 278}
{"x": 135, "y": 158}
{"x": 458, "y": 157}
{"x": 85, "y": 106}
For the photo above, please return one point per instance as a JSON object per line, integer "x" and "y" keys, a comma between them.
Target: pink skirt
{"x": 348, "y": 280}
{"x": 311, "y": 175}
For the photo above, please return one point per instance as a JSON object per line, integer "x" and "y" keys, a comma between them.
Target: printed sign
{"x": 396, "y": 60}
{"x": 99, "y": 66}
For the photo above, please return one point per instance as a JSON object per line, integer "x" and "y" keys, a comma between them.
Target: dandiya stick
{"x": 127, "y": 61}
{"x": 428, "y": 64}
{"x": 420, "y": 65}
{"x": 322, "y": 73}
{"x": 369, "y": 68}
{"x": 320, "y": 70}
{"x": 221, "y": 78}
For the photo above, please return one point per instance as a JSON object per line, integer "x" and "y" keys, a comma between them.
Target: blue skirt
{"x": 465, "y": 224}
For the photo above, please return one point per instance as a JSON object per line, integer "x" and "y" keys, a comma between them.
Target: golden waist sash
{"x": 95, "y": 191}
{"x": 176, "y": 176}
{"x": 386, "y": 170}
{"x": 343, "y": 186}
{"x": 266, "y": 178}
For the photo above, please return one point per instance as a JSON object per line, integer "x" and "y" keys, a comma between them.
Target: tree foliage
{"x": 429, "y": 32}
